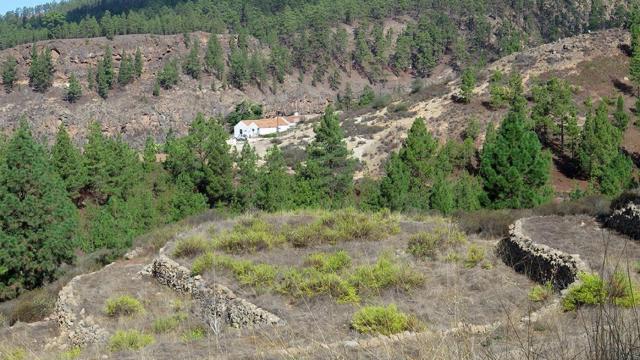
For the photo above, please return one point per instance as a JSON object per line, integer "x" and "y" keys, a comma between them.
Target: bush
{"x": 34, "y": 305}
{"x": 311, "y": 282}
{"x": 124, "y": 305}
{"x": 344, "y": 225}
{"x": 383, "y": 320}
{"x": 381, "y": 101}
{"x": 249, "y": 236}
{"x": 246, "y": 272}
{"x": 399, "y": 107}
{"x": 540, "y": 293}
{"x": 329, "y": 263}
{"x": 622, "y": 292}
{"x": 194, "y": 334}
{"x": 384, "y": 274}
{"x": 426, "y": 244}
{"x": 124, "y": 340}
{"x": 203, "y": 263}
{"x": 168, "y": 323}
{"x": 474, "y": 256}
{"x": 590, "y": 291}
{"x": 191, "y": 246}
{"x": 71, "y": 354}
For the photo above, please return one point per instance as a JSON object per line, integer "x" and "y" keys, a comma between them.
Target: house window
{"x": 240, "y": 131}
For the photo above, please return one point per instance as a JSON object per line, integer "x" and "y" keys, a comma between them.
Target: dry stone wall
{"x": 216, "y": 303}
{"x": 540, "y": 262}
{"x": 626, "y": 220}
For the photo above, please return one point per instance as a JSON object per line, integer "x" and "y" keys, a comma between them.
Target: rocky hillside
{"x": 133, "y": 112}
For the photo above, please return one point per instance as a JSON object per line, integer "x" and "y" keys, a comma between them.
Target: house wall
{"x": 243, "y": 131}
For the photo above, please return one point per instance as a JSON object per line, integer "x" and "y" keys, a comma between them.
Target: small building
{"x": 261, "y": 127}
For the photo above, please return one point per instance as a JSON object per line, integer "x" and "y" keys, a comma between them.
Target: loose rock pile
{"x": 218, "y": 302}
{"x": 540, "y": 262}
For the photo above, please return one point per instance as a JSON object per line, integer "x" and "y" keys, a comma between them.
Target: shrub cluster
{"x": 249, "y": 236}
{"x": 124, "y": 305}
{"x": 593, "y": 290}
{"x": 323, "y": 274}
{"x": 191, "y": 246}
{"x": 427, "y": 244}
{"x": 540, "y": 293}
{"x": 475, "y": 255}
{"x": 383, "y": 320}
{"x": 124, "y": 340}
{"x": 168, "y": 323}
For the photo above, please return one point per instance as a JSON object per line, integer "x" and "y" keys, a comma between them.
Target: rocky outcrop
{"x": 540, "y": 262}
{"x": 217, "y": 303}
{"x": 626, "y": 220}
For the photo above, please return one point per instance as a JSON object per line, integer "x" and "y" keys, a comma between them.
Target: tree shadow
{"x": 567, "y": 166}
{"x": 635, "y": 157}
{"x": 623, "y": 87}
{"x": 626, "y": 49}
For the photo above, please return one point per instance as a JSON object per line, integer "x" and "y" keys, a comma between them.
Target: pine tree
{"x": 418, "y": 153}
{"x": 442, "y": 196}
{"x": 74, "y": 90}
{"x": 238, "y": 68}
{"x": 329, "y": 167}
{"x": 246, "y": 191}
{"x": 9, "y": 73}
{"x": 126, "y": 70}
{"x": 91, "y": 78}
{"x": 554, "y": 109}
{"x": 369, "y": 198}
{"x": 68, "y": 163}
{"x": 513, "y": 166}
{"x": 168, "y": 77}
{"x": 149, "y": 154}
{"x": 468, "y": 84}
{"x": 138, "y": 64}
{"x": 107, "y": 66}
{"x": 192, "y": 66}
{"x": 41, "y": 70}
{"x": 394, "y": 186}
{"x": 620, "y": 116}
{"x": 37, "y": 219}
{"x": 214, "y": 57}
{"x": 467, "y": 192}
{"x": 274, "y": 188}
{"x": 634, "y": 68}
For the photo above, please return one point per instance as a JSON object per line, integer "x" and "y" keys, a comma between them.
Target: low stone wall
{"x": 540, "y": 262}
{"x": 626, "y": 220}
{"x": 218, "y": 302}
{"x": 79, "y": 329}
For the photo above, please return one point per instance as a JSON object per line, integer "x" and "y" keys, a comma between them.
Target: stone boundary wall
{"x": 216, "y": 303}
{"x": 538, "y": 261}
{"x": 626, "y": 220}
{"x": 79, "y": 329}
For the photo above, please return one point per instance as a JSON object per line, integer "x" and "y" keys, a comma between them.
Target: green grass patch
{"x": 593, "y": 290}
{"x": 249, "y": 236}
{"x": 329, "y": 263}
{"x": 475, "y": 255}
{"x": 428, "y": 244}
{"x": 125, "y": 340}
{"x": 385, "y": 273}
{"x": 168, "y": 323}
{"x": 71, "y": 354}
{"x": 13, "y": 353}
{"x": 194, "y": 334}
{"x": 383, "y": 320}
{"x": 540, "y": 293}
{"x": 203, "y": 263}
{"x": 329, "y": 274}
{"x": 124, "y": 305}
{"x": 191, "y": 246}
{"x": 343, "y": 225}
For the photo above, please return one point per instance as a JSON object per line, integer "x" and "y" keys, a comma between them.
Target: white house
{"x": 251, "y": 128}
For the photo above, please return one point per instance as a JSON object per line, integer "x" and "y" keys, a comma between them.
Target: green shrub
{"x": 329, "y": 263}
{"x": 426, "y": 244}
{"x": 383, "y": 320}
{"x": 13, "y": 353}
{"x": 540, "y": 293}
{"x": 622, "y": 292}
{"x": 344, "y": 225}
{"x": 310, "y": 282}
{"x": 71, "y": 354}
{"x": 203, "y": 263}
{"x": 475, "y": 255}
{"x": 194, "y": 334}
{"x": 385, "y": 274}
{"x": 248, "y": 237}
{"x": 590, "y": 291}
{"x": 248, "y": 273}
{"x": 168, "y": 323}
{"x": 124, "y": 305}
{"x": 191, "y": 246}
{"x": 124, "y": 340}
